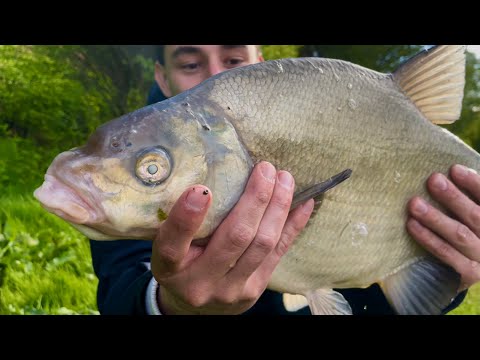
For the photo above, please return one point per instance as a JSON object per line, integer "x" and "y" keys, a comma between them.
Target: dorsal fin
{"x": 435, "y": 80}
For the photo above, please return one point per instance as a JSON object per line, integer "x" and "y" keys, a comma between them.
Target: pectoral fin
{"x": 328, "y": 302}
{"x": 320, "y": 188}
{"x": 425, "y": 287}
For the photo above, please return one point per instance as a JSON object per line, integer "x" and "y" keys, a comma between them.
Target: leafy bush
{"x": 53, "y": 97}
{"x": 272, "y": 52}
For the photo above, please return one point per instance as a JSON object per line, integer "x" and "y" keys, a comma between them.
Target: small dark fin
{"x": 425, "y": 287}
{"x": 328, "y": 302}
{"x": 318, "y": 189}
{"x": 435, "y": 80}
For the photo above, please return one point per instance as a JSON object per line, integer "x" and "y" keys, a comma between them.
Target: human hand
{"x": 230, "y": 273}
{"x": 454, "y": 238}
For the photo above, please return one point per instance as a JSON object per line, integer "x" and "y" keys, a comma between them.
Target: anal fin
{"x": 425, "y": 287}
{"x": 328, "y": 302}
{"x": 294, "y": 302}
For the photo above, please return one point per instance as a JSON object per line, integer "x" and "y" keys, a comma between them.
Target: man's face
{"x": 188, "y": 65}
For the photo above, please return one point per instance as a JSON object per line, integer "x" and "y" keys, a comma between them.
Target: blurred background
{"x": 53, "y": 97}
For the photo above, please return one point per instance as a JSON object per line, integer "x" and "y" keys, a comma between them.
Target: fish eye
{"x": 153, "y": 166}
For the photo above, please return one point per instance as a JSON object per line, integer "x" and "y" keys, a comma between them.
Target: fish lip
{"x": 94, "y": 213}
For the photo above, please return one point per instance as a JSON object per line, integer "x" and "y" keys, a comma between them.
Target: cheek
{"x": 111, "y": 177}
{"x": 132, "y": 210}
{"x": 182, "y": 83}
{"x": 188, "y": 172}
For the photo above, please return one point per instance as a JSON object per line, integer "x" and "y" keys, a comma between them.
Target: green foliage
{"x": 41, "y": 98}
{"x": 137, "y": 92}
{"x": 272, "y": 52}
{"x": 45, "y": 264}
{"x": 53, "y": 97}
{"x": 44, "y": 108}
{"x": 384, "y": 58}
{"x": 468, "y": 127}
{"x": 22, "y": 165}
{"x": 471, "y": 304}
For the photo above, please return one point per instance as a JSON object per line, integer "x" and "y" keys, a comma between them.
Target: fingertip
{"x": 413, "y": 205}
{"x": 413, "y": 225}
{"x": 417, "y": 206}
{"x": 460, "y": 172}
{"x": 197, "y": 198}
{"x": 300, "y": 216}
{"x": 437, "y": 182}
{"x": 457, "y": 169}
{"x": 286, "y": 179}
{"x": 187, "y": 215}
{"x": 268, "y": 171}
{"x": 307, "y": 208}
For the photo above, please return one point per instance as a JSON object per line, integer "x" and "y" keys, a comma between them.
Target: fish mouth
{"x": 62, "y": 200}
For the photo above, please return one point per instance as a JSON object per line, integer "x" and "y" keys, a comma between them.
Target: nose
{"x": 215, "y": 67}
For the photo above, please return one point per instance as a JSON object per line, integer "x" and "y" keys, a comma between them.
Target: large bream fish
{"x": 314, "y": 117}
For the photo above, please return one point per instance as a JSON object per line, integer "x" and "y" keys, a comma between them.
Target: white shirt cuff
{"x": 151, "y": 298}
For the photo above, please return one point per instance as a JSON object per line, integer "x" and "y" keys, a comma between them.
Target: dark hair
{"x": 160, "y": 53}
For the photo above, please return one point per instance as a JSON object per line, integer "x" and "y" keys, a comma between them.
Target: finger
{"x": 175, "y": 234}
{"x": 296, "y": 222}
{"x": 269, "y": 230}
{"x": 237, "y": 231}
{"x": 466, "y": 179}
{"x": 447, "y": 194}
{"x": 456, "y": 234}
{"x": 468, "y": 269}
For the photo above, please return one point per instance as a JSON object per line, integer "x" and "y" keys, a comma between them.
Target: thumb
{"x": 176, "y": 233}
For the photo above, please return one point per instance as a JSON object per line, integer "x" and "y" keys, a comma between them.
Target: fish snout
{"x": 73, "y": 160}
{"x": 64, "y": 201}
{"x": 66, "y": 190}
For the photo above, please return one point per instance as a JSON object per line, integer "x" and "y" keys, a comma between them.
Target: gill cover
{"x": 227, "y": 161}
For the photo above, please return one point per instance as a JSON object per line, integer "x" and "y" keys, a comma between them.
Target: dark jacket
{"x": 123, "y": 270}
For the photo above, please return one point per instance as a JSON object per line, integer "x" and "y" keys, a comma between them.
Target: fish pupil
{"x": 152, "y": 169}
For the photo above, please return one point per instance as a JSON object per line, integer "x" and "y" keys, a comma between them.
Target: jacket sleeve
{"x": 123, "y": 271}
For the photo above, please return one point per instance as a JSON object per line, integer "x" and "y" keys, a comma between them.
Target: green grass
{"x": 45, "y": 264}
{"x": 471, "y": 304}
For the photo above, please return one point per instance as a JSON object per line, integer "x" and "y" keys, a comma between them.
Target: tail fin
{"x": 435, "y": 80}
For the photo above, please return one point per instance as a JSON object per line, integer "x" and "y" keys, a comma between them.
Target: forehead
{"x": 172, "y": 51}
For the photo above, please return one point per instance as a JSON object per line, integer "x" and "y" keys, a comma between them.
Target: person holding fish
{"x": 187, "y": 269}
